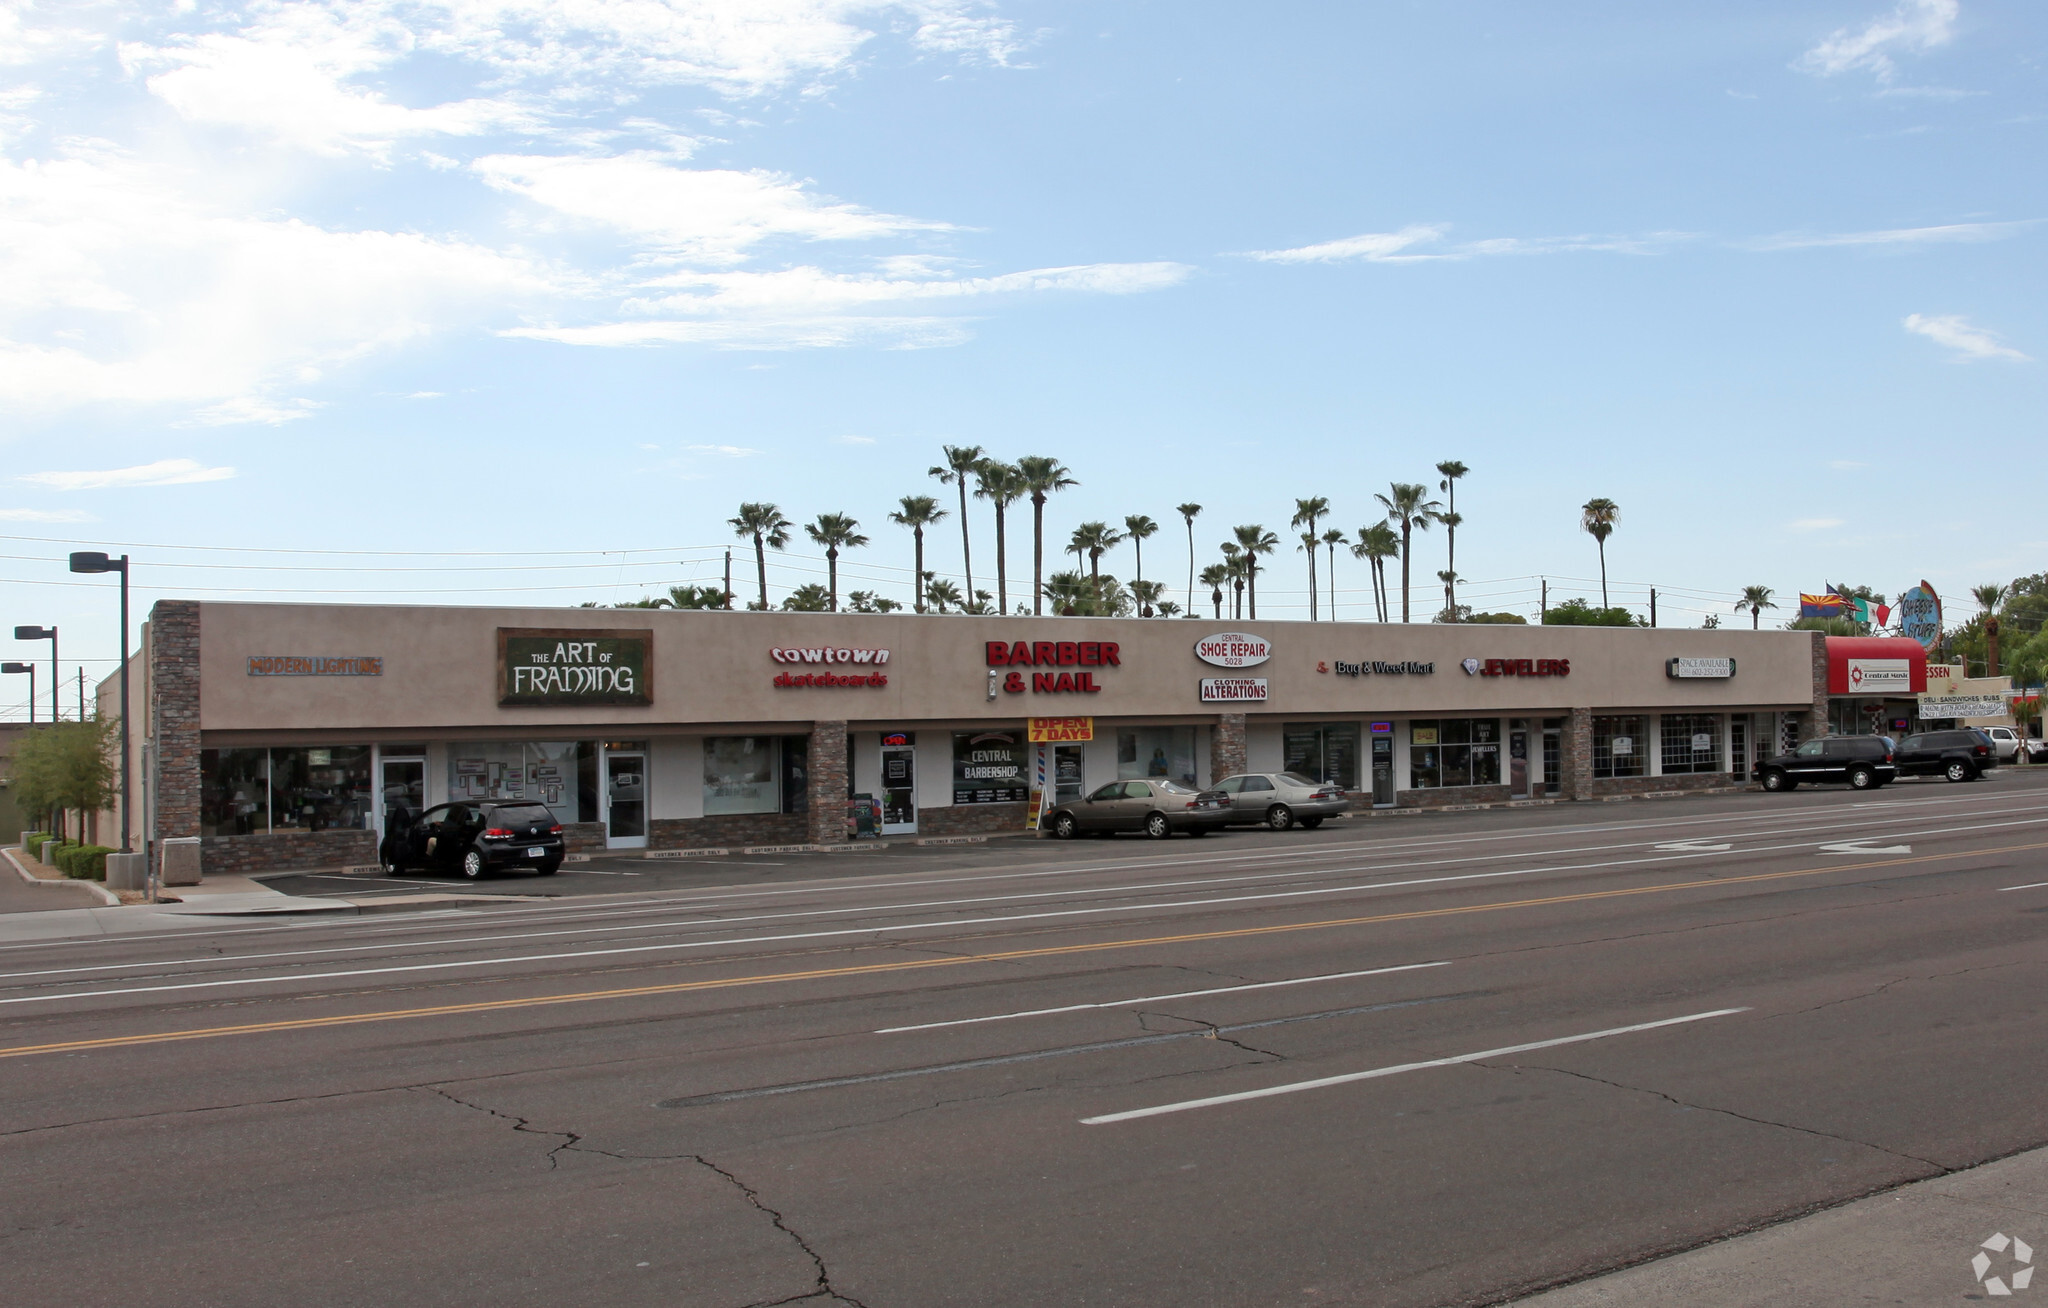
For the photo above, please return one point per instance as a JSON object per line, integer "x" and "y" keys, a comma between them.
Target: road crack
{"x": 570, "y": 1139}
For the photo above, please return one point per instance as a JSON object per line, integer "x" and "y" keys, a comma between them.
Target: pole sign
{"x": 574, "y": 668}
{"x": 1920, "y": 616}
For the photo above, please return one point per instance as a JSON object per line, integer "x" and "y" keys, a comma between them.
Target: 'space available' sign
{"x": 540, "y": 668}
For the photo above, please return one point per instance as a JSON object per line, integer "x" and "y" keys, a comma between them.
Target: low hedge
{"x": 83, "y": 862}
{"x": 34, "y": 841}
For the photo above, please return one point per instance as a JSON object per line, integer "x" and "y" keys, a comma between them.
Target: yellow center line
{"x": 869, "y": 969}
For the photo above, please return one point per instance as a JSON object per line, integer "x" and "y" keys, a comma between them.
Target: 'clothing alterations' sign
{"x": 538, "y": 668}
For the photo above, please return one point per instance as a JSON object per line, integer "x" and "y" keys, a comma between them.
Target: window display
{"x": 988, "y": 767}
{"x": 1453, "y": 752}
{"x": 253, "y": 792}
{"x": 1163, "y": 752}
{"x": 740, "y": 775}
{"x": 1620, "y": 749}
{"x": 1322, "y": 751}
{"x": 546, "y": 772}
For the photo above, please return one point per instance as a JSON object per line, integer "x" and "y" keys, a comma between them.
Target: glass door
{"x": 1518, "y": 757}
{"x": 402, "y": 785}
{"x": 899, "y": 789}
{"x": 625, "y": 795}
{"x": 1383, "y": 771}
{"x": 1066, "y": 773}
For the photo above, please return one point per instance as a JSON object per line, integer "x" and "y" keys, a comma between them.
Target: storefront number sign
{"x": 574, "y": 669}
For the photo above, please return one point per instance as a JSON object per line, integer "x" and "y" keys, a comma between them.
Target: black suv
{"x": 1864, "y": 762}
{"x": 476, "y": 838}
{"x": 1960, "y": 755}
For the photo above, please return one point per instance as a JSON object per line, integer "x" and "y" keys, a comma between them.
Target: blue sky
{"x": 497, "y": 284}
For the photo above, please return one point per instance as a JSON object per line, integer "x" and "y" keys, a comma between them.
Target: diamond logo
{"x": 2017, "y": 1272}
{"x": 1471, "y": 667}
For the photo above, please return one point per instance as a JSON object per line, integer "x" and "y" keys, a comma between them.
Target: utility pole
{"x": 728, "y": 577}
{"x": 81, "y": 692}
{"x": 1546, "y": 599}
{"x": 1653, "y": 606}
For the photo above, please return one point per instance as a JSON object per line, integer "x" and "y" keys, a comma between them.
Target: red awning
{"x": 1876, "y": 666}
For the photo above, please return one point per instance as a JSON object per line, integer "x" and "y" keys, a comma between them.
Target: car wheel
{"x": 473, "y": 864}
{"x": 393, "y": 868}
{"x": 1311, "y": 823}
{"x": 1198, "y": 832}
{"x": 1280, "y": 817}
{"x": 1157, "y": 827}
{"x": 1861, "y": 778}
{"x": 548, "y": 869}
{"x": 1775, "y": 780}
{"x": 1957, "y": 770}
{"x": 1064, "y": 826}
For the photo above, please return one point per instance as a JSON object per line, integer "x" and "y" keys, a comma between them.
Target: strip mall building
{"x": 290, "y": 735}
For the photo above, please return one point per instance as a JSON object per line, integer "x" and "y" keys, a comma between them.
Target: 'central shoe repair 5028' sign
{"x": 538, "y": 668}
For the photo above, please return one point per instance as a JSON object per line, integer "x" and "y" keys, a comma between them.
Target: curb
{"x": 107, "y": 898}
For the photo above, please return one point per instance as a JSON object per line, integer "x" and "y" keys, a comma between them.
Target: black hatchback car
{"x": 1862, "y": 762}
{"x": 475, "y": 839}
{"x": 1959, "y": 755}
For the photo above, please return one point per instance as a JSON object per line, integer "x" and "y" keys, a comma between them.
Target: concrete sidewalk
{"x": 1914, "y": 1245}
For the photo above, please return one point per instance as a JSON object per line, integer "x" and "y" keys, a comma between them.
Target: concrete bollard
{"x": 49, "y": 854}
{"x": 181, "y": 861}
{"x": 23, "y": 842}
{"x": 127, "y": 871}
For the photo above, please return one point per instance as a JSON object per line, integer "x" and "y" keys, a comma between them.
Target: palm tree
{"x": 767, "y": 526}
{"x": 1070, "y": 593}
{"x": 1756, "y": 599}
{"x": 1451, "y": 522}
{"x": 835, "y": 531}
{"x": 1451, "y": 470}
{"x": 1254, "y": 540}
{"x": 1376, "y": 544}
{"x": 962, "y": 462}
{"x": 1411, "y": 512}
{"x": 1233, "y": 562}
{"x": 1450, "y": 581}
{"x": 1333, "y": 538}
{"x": 917, "y": 513}
{"x": 1001, "y": 485}
{"x": 1305, "y": 514}
{"x": 1167, "y": 608}
{"x": 1187, "y": 514}
{"x": 1042, "y": 476}
{"x": 1093, "y": 539}
{"x": 1598, "y": 518}
{"x": 1990, "y": 597}
{"x": 1145, "y": 594}
{"x": 941, "y": 594}
{"x": 1213, "y": 577}
{"x": 1136, "y": 528}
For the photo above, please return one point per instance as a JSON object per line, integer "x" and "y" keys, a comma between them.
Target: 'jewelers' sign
{"x": 538, "y": 668}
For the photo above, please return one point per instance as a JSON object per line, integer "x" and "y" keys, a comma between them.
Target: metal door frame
{"x": 604, "y": 795}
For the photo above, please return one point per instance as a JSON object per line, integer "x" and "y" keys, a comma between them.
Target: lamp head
{"x": 93, "y": 561}
{"x": 35, "y": 633}
{"x": 18, "y": 667}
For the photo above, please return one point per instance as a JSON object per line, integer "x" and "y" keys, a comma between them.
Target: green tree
{"x": 1755, "y": 599}
{"x": 1256, "y": 542}
{"x": 1042, "y": 477}
{"x": 1578, "y": 613}
{"x": 65, "y": 766}
{"x": 1376, "y": 544}
{"x": 1452, "y": 471}
{"x": 866, "y": 601}
{"x": 1145, "y": 594}
{"x": 1093, "y": 540}
{"x": 766, "y": 526}
{"x": 962, "y": 462}
{"x": 1188, "y": 513}
{"x": 1215, "y": 576}
{"x": 940, "y": 593}
{"x": 1137, "y": 529}
{"x": 1306, "y": 514}
{"x": 835, "y": 531}
{"x": 1070, "y": 593}
{"x": 1989, "y": 597}
{"x": 917, "y": 513}
{"x": 1598, "y": 517}
{"x": 1502, "y": 619}
{"x": 1234, "y": 563}
{"x": 1002, "y": 485}
{"x": 1332, "y": 538}
{"x": 808, "y": 598}
{"x": 1408, "y": 507}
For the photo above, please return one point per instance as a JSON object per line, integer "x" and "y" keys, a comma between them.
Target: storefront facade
{"x": 292, "y": 735}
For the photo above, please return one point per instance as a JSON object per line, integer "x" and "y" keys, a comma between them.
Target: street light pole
{"x": 29, "y": 668}
{"x": 95, "y": 562}
{"x": 56, "y": 679}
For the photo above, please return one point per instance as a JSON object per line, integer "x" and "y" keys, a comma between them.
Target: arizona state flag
{"x": 1820, "y": 606}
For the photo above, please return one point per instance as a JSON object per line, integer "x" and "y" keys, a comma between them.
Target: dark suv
{"x": 476, "y": 838}
{"x": 1864, "y": 762}
{"x": 1960, "y": 755}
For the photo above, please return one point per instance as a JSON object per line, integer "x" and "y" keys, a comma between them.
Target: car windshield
{"x": 519, "y": 815}
{"x": 1296, "y": 779}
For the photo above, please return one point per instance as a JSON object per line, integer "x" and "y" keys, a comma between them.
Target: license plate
{"x": 538, "y": 851}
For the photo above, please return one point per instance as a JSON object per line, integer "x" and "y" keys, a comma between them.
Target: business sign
{"x": 1961, "y": 706}
{"x": 315, "y": 665}
{"x": 1233, "y": 649}
{"x": 1880, "y": 676}
{"x": 1375, "y": 668}
{"x": 1233, "y": 690}
{"x": 575, "y": 668}
{"x": 988, "y": 768}
{"x": 1684, "y": 669}
{"x": 1043, "y": 730}
{"x": 1082, "y": 654}
{"x": 1920, "y": 616}
{"x": 1519, "y": 667}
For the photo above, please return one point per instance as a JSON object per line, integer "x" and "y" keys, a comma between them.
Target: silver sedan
{"x": 1157, "y": 808}
{"x": 1281, "y": 799}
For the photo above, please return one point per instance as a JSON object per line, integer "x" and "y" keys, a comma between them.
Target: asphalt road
{"x": 1398, "y": 1063}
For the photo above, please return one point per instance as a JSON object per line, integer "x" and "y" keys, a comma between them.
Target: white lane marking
{"x": 1153, "y": 999}
{"x": 1862, "y": 847}
{"x": 1692, "y": 847}
{"x": 2032, "y": 885}
{"x": 1296, "y": 1087}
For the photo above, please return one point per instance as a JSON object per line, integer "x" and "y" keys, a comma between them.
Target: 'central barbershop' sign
{"x": 539, "y": 668}
{"x": 1082, "y": 654}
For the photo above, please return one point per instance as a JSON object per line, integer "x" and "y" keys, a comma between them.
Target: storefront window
{"x": 740, "y": 775}
{"x": 1325, "y": 751}
{"x": 988, "y": 768}
{"x": 1160, "y": 752}
{"x": 235, "y": 793}
{"x": 1690, "y": 742}
{"x": 1453, "y": 752}
{"x": 545, "y": 772}
{"x": 254, "y": 792}
{"x": 1620, "y": 749}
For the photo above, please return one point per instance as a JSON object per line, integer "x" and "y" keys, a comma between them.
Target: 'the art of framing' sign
{"x": 574, "y": 668}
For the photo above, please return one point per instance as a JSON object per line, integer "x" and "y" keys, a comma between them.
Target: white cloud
{"x": 854, "y": 440}
{"x": 46, "y": 515}
{"x": 1376, "y": 247}
{"x": 767, "y": 334}
{"x": 164, "y": 472}
{"x": 729, "y": 451}
{"x": 1913, "y": 26}
{"x": 1426, "y": 243}
{"x": 1945, "y": 234}
{"x": 1846, "y": 465}
{"x": 1815, "y": 524}
{"x": 1956, "y": 332}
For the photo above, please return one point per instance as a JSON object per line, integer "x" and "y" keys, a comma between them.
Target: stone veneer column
{"x": 825, "y": 800}
{"x": 173, "y": 717}
{"x": 1576, "y": 746}
{"x": 1816, "y": 717}
{"x": 1227, "y": 750}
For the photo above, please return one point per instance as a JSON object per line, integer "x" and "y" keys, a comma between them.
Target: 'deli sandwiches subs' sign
{"x": 538, "y": 668}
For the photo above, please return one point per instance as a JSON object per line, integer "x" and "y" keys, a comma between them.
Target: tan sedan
{"x": 1157, "y": 808}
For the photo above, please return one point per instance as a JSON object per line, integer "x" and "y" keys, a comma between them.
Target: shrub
{"x": 33, "y": 843}
{"x": 84, "y": 862}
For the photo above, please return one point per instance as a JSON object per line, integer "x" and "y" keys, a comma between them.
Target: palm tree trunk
{"x": 918, "y": 533}
{"x": 1755, "y": 616}
{"x": 1603, "y": 573}
{"x": 1404, "y": 571}
{"x": 1002, "y": 572}
{"x": 1311, "y": 576}
{"x": 1451, "y": 537}
{"x": 1191, "y": 567}
{"x": 1333, "y": 581}
{"x": 1251, "y": 576}
{"x": 1138, "y": 546}
{"x": 761, "y": 566}
{"x": 966, "y": 544}
{"x": 1037, "y": 555}
{"x": 832, "y": 573}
